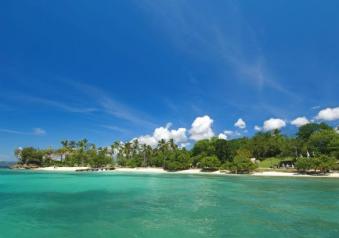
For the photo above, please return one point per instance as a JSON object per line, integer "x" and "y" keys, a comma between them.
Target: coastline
{"x": 189, "y": 171}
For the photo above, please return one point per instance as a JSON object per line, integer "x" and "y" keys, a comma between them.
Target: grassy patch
{"x": 270, "y": 162}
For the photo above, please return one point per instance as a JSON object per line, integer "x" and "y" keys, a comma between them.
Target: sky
{"x": 187, "y": 69}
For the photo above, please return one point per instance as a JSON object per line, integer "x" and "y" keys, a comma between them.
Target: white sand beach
{"x": 289, "y": 174}
{"x": 190, "y": 171}
{"x": 61, "y": 169}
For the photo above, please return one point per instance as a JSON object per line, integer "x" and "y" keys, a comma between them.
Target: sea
{"x": 119, "y": 204}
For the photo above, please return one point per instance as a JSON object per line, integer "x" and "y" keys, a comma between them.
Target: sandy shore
{"x": 61, "y": 169}
{"x": 161, "y": 170}
{"x": 288, "y": 174}
{"x": 191, "y": 171}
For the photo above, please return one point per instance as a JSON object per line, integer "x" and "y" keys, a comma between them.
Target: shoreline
{"x": 190, "y": 171}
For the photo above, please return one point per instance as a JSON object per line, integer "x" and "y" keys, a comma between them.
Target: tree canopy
{"x": 312, "y": 140}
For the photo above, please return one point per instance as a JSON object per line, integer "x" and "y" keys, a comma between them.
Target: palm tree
{"x": 65, "y": 148}
{"x": 115, "y": 149}
{"x": 83, "y": 146}
{"x": 135, "y": 148}
{"x": 162, "y": 147}
{"x": 172, "y": 145}
{"x": 128, "y": 150}
{"x": 144, "y": 152}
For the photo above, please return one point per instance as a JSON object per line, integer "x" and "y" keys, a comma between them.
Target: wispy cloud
{"x": 99, "y": 100}
{"x": 56, "y": 104}
{"x": 34, "y": 132}
{"x": 39, "y": 132}
{"x": 195, "y": 30}
{"x": 110, "y": 106}
{"x": 117, "y": 129}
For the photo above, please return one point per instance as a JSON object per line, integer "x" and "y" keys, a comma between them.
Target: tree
{"x": 305, "y": 131}
{"x": 30, "y": 155}
{"x": 204, "y": 147}
{"x": 241, "y": 162}
{"x": 178, "y": 160}
{"x": 268, "y": 144}
{"x": 223, "y": 150}
{"x": 323, "y": 141}
{"x": 209, "y": 163}
{"x": 303, "y": 164}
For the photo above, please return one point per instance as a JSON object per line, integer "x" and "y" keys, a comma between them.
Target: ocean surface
{"x": 41, "y": 204}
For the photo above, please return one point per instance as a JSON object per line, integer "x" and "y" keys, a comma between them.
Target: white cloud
{"x": 232, "y": 134}
{"x": 274, "y": 123}
{"x": 39, "y": 131}
{"x": 240, "y": 123}
{"x": 222, "y": 136}
{"x": 328, "y": 114}
{"x": 257, "y": 128}
{"x": 164, "y": 133}
{"x": 201, "y": 128}
{"x": 148, "y": 140}
{"x": 184, "y": 145}
{"x": 228, "y": 133}
{"x": 178, "y": 135}
{"x": 300, "y": 121}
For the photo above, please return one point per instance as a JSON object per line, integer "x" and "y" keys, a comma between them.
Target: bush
{"x": 321, "y": 164}
{"x": 133, "y": 163}
{"x": 241, "y": 165}
{"x": 303, "y": 164}
{"x": 179, "y": 160}
{"x": 209, "y": 163}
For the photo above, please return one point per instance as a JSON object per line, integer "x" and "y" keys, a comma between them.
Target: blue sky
{"x": 120, "y": 69}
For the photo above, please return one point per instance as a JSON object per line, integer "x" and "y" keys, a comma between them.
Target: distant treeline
{"x": 315, "y": 146}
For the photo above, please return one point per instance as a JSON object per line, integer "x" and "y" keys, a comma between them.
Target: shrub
{"x": 241, "y": 165}
{"x": 322, "y": 164}
{"x": 209, "y": 163}
{"x": 179, "y": 160}
{"x": 303, "y": 164}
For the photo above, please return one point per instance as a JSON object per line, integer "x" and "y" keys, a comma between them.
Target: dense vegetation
{"x": 314, "y": 147}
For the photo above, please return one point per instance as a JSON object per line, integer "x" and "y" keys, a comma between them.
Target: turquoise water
{"x": 38, "y": 204}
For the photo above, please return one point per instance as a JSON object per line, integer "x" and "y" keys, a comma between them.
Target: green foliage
{"x": 315, "y": 140}
{"x": 307, "y": 130}
{"x": 209, "y": 163}
{"x": 270, "y": 162}
{"x": 204, "y": 147}
{"x": 223, "y": 150}
{"x": 320, "y": 164}
{"x": 268, "y": 144}
{"x": 303, "y": 164}
{"x": 30, "y": 155}
{"x": 178, "y": 160}
{"x": 324, "y": 141}
{"x": 241, "y": 163}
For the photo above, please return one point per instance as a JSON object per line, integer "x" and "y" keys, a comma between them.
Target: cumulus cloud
{"x": 300, "y": 121}
{"x": 147, "y": 140}
{"x": 240, "y": 123}
{"x": 201, "y": 128}
{"x": 222, "y": 136}
{"x": 257, "y": 128}
{"x": 273, "y": 124}
{"x": 328, "y": 114}
{"x": 164, "y": 133}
